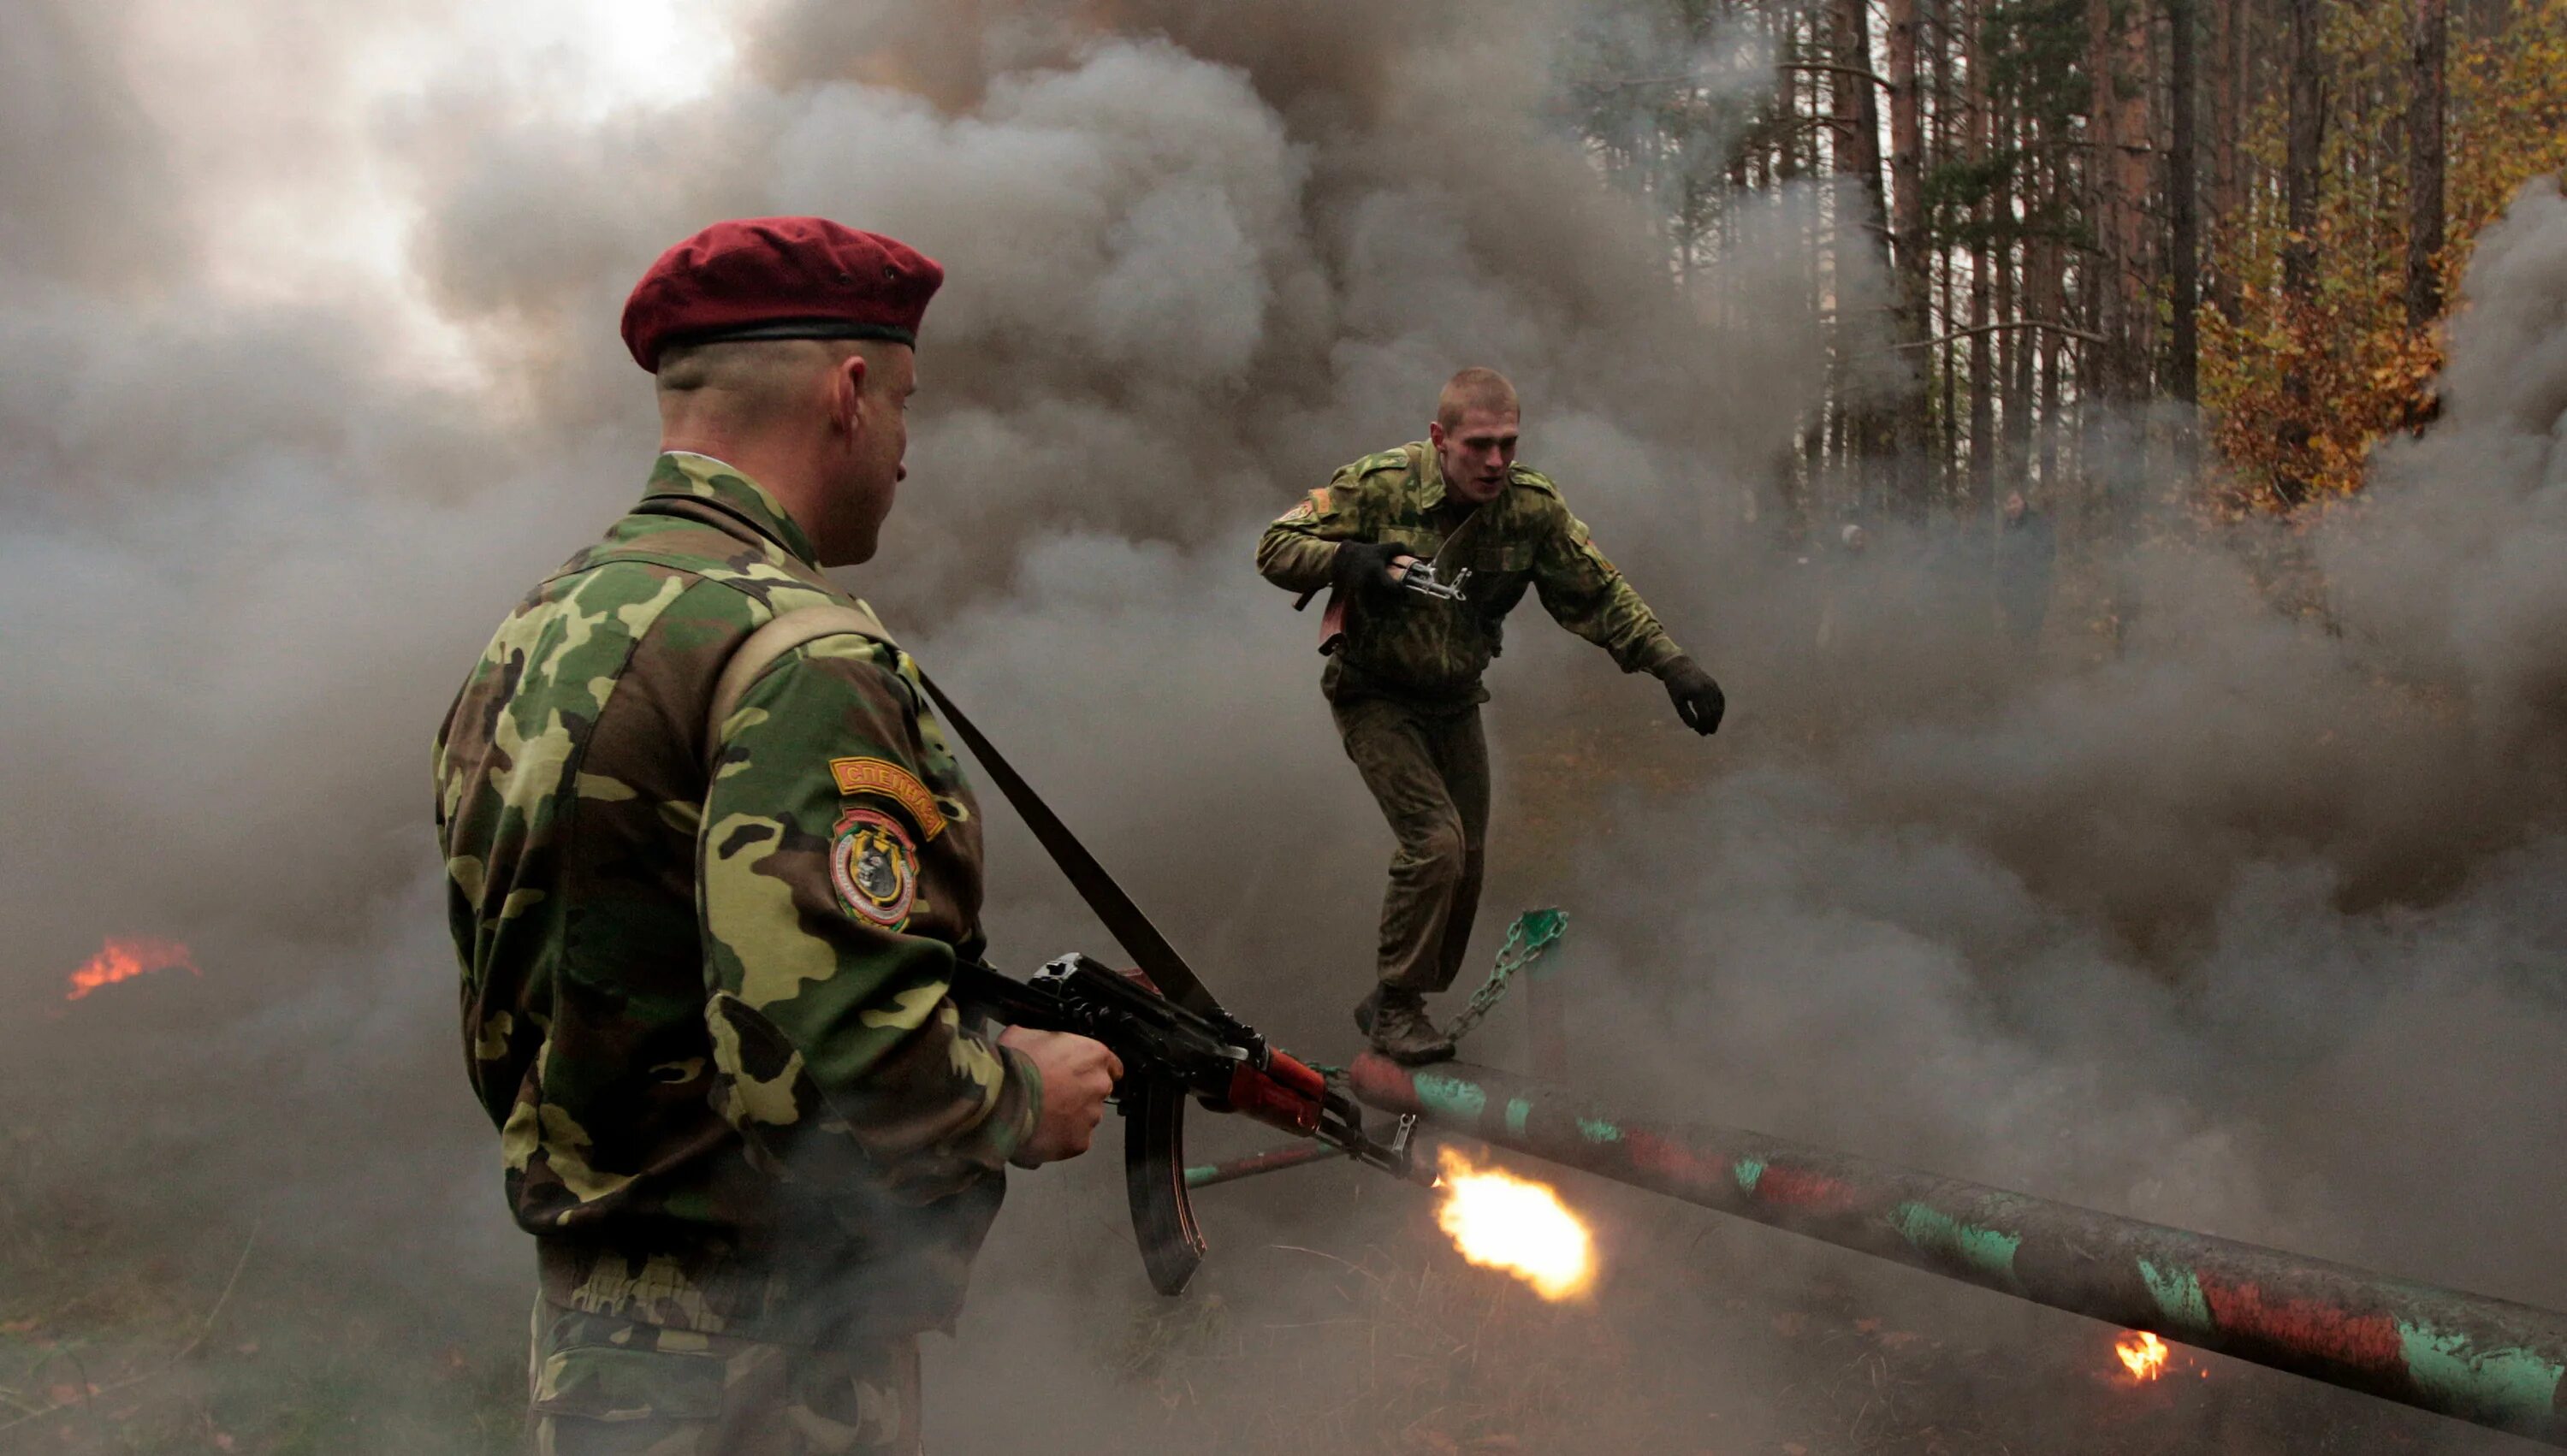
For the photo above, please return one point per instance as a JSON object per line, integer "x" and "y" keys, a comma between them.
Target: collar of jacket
{"x": 687, "y": 475}
{"x": 1430, "y": 475}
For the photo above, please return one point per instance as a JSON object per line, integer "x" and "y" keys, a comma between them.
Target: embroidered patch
{"x": 1308, "y": 508}
{"x": 874, "y": 867}
{"x": 889, "y": 781}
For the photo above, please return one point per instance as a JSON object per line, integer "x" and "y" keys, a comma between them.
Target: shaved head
{"x": 1475, "y": 389}
{"x": 753, "y": 381}
{"x": 822, "y": 424}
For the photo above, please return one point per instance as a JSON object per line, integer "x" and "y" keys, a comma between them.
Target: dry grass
{"x": 1427, "y": 1356}
{"x": 106, "y": 1351}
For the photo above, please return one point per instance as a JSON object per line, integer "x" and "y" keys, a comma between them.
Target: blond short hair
{"x": 1475, "y": 388}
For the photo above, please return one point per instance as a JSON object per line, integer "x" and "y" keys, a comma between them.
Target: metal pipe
{"x": 2491, "y": 1361}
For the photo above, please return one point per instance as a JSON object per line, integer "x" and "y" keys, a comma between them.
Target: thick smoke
{"x": 2248, "y": 927}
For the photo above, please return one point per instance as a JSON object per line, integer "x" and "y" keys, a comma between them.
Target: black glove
{"x": 1364, "y": 566}
{"x": 1697, "y": 697}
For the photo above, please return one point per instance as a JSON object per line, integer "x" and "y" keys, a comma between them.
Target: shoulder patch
{"x": 882, "y": 779}
{"x": 874, "y": 868}
{"x": 1307, "y": 508}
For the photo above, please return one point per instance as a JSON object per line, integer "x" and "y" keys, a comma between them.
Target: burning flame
{"x": 1499, "y": 1221}
{"x": 2143, "y": 1354}
{"x": 125, "y": 957}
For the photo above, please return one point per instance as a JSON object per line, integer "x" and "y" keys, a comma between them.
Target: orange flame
{"x": 1499, "y": 1221}
{"x": 125, "y": 957}
{"x": 2143, "y": 1354}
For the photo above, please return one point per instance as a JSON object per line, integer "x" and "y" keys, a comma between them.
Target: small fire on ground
{"x": 1499, "y": 1221}
{"x": 2143, "y": 1354}
{"x": 124, "y": 957}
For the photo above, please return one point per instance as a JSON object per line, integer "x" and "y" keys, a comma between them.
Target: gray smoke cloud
{"x": 2247, "y": 927}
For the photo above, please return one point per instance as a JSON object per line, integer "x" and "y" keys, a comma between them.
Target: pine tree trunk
{"x": 2227, "y": 170}
{"x": 2183, "y": 211}
{"x": 1908, "y": 229}
{"x": 2049, "y": 303}
{"x": 1941, "y": 134}
{"x": 2006, "y": 460}
{"x": 1984, "y": 343}
{"x": 1800, "y": 146}
{"x": 2304, "y": 146}
{"x": 2428, "y": 44}
{"x": 2112, "y": 445}
{"x": 1861, "y": 219}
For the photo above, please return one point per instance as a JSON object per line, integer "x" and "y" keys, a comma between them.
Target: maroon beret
{"x": 780, "y": 278}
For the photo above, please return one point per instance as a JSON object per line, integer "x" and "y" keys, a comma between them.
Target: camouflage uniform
{"x": 705, "y": 988}
{"x": 619, "y": 1387}
{"x": 1405, "y": 686}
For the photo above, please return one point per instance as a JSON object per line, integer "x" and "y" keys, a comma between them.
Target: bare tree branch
{"x": 2070, "y": 330}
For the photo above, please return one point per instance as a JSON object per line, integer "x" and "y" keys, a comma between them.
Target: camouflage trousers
{"x": 603, "y": 1386}
{"x": 1428, "y": 768}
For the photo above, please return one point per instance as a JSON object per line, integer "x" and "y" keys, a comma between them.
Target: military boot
{"x": 1396, "y": 1021}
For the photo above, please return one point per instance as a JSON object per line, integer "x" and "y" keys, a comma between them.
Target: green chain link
{"x": 1528, "y": 940}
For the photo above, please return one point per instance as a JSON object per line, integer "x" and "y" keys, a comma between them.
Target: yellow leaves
{"x": 2299, "y": 391}
{"x": 2304, "y": 392}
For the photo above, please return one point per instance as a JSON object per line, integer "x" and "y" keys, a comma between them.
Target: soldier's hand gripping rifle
{"x": 1175, "y": 1040}
{"x": 1418, "y": 576}
{"x": 1170, "y": 1053}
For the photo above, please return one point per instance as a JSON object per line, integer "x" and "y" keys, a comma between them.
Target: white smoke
{"x": 2244, "y": 928}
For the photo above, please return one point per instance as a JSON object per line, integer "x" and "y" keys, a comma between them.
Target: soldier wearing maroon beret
{"x": 710, "y": 867}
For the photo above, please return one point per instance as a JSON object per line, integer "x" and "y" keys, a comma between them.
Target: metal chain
{"x": 1533, "y": 934}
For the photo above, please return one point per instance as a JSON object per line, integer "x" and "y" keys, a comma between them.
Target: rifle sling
{"x": 1123, "y": 919}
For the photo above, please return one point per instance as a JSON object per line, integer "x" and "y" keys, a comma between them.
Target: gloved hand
{"x": 1697, "y": 697}
{"x": 1365, "y": 567}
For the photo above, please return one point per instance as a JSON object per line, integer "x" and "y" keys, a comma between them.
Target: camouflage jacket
{"x": 704, "y": 982}
{"x": 1433, "y": 652}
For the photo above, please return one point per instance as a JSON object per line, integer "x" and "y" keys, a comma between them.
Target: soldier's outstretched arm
{"x": 1585, "y": 594}
{"x": 819, "y": 865}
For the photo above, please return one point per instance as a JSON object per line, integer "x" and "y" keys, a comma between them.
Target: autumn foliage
{"x": 2299, "y": 390}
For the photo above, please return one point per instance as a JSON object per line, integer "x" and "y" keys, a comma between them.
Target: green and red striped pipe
{"x": 2491, "y": 1361}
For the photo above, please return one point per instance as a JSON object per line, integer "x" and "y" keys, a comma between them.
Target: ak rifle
{"x": 1169, "y": 1054}
{"x": 1175, "y": 1041}
{"x": 1420, "y": 577}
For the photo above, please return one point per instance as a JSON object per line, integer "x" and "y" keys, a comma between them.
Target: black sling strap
{"x": 1125, "y": 919}
{"x": 1149, "y": 950}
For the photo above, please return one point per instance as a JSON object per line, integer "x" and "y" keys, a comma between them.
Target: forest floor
{"x": 102, "y": 1355}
